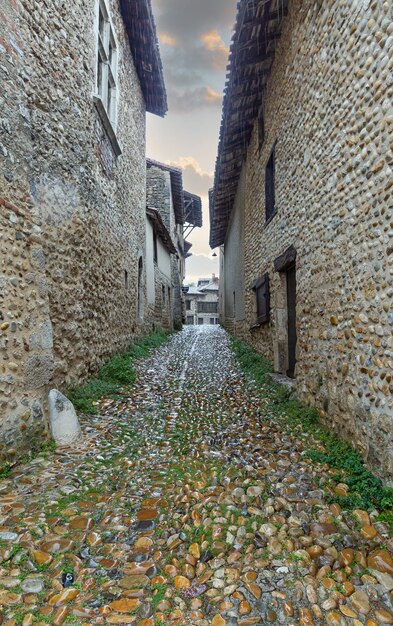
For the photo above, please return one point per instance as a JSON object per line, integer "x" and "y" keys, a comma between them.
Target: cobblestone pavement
{"x": 184, "y": 504}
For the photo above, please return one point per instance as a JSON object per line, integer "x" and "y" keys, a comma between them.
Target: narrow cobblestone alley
{"x": 184, "y": 504}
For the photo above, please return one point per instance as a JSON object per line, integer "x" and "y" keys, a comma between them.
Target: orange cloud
{"x": 211, "y": 95}
{"x": 213, "y": 42}
{"x": 189, "y": 162}
{"x": 168, "y": 40}
{"x": 195, "y": 179}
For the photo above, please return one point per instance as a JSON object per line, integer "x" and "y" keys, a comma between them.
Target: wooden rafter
{"x": 141, "y": 31}
{"x": 257, "y": 29}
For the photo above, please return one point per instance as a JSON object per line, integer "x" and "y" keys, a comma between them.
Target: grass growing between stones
{"x": 38, "y": 450}
{"x": 5, "y": 469}
{"x": 366, "y": 490}
{"x": 116, "y": 373}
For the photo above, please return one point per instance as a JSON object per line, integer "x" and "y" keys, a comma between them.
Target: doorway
{"x": 286, "y": 335}
{"x": 291, "y": 318}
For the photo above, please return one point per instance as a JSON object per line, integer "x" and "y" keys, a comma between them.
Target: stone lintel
{"x": 285, "y": 260}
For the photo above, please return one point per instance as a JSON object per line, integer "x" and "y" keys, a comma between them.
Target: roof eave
{"x": 251, "y": 55}
{"x": 194, "y": 212}
{"x": 160, "y": 229}
{"x": 176, "y": 175}
{"x": 141, "y": 30}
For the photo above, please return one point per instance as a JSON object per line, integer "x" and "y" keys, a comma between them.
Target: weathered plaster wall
{"x": 328, "y": 108}
{"x": 164, "y": 260}
{"x": 55, "y": 153}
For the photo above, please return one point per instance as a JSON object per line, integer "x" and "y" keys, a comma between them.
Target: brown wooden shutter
{"x": 262, "y": 293}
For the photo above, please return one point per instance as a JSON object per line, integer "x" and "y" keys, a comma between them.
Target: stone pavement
{"x": 184, "y": 504}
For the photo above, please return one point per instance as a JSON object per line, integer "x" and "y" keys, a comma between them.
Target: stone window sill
{"x": 271, "y": 218}
{"x": 107, "y": 125}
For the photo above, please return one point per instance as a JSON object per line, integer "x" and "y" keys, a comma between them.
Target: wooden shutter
{"x": 262, "y": 293}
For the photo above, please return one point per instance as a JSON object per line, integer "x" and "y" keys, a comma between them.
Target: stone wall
{"x": 26, "y": 340}
{"x": 178, "y": 302}
{"x": 158, "y": 312}
{"x": 163, "y": 301}
{"x": 232, "y": 272}
{"x": 159, "y": 196}
{"x": 328, "y": 111}
{"x": 57, "y": 158}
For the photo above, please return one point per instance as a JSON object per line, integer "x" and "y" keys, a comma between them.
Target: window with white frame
{"x": 106, "y": 63}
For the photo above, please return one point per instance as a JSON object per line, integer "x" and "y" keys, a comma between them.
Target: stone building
{"x": 302, "y": 206}
{"x": 159, "y": 285}
{"x": 76, "y": 82}
{"x": 202, "y": 302}
{"x": 172, "y": 213}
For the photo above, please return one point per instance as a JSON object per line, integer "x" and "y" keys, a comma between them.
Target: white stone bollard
{"x": 63, "y": 419}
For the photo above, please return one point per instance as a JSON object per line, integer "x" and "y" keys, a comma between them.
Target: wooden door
{"x": 291, "y": 307}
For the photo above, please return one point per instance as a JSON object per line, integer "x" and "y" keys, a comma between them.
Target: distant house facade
{"x": 171, "y": 214}
{"x": 76, "y": 82}
{"x": 159, "y": 285}
{"x": 302, "y": 207}
{"x": 202, "y": 302}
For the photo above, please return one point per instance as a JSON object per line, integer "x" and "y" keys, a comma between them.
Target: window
{"x": 190, "y": 319}
{"x": 155, "y": 253}
{"x": 262, "y": 293}
{"x": 188, "y": 305}
{"x": 207, "y": 307}
{"x": 200, "y": 321}
{"x": 163, "y": 294}
{"x": 212, "y": 320}
{"x": 126, "y": 280}
{"x": 106, "y": 64}
{"x": 270, "y": 201}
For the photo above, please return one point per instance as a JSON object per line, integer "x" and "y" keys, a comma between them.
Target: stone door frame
{"x": 283, "y": 264}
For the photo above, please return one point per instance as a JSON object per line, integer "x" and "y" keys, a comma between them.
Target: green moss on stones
{"x": 116, "y": 373}
{"x": 366, "y": 490}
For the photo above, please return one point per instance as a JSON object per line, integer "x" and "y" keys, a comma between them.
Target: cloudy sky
{"x": 194, "y": 38}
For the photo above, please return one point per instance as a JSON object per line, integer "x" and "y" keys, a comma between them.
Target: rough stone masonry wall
{"x": 162, "y": 309}
{"x": 55, "y": 153}
{"x": 26, "y": 341}
{"x": 328, "y": 107}
{"x": 159, "y": 196}
{"x": 177, "y": 294}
